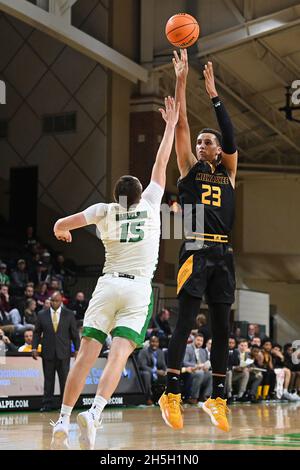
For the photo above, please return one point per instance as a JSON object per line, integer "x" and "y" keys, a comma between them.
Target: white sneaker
{"x": 289, "y": 396}
{"x": 88, "y": 427}
{"x": 296, "y": 396}
{"x": 60, "y": 434}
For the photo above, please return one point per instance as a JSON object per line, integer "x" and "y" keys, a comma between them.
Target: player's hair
{"x": 217, "y": 134}
{"x": 130, "y": 187}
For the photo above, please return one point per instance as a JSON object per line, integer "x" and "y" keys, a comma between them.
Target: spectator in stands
{"x": 233, "y": 361}
{"x": 79, "y": 305}
{"x": 283, "y": 375}
{"x": 251, "y": 332}
{"x": 40, "y": 274}
{"x": 153, "y": 368}
{"x": 237, "y": 333}
{"x": 47, "y": 304}
{"x": 241, "y": 373}
{"x": 27, "y": 346}
{"x": 30, "y": 314}
{"x": 21, "y": 302}
{"x": 30, "y": 239}
{"x": 60, "y": 268}
{"x": 41, "y": 295}
{"x": 269, "y": 377}
{"x": 195, "y": 362}
{"x": 201, "y": 322}
{"x": 256, "y": 341}
{"x": 4, "y": 278}
{"x": 54, "y": 286}
{"x": 19, "y": 277}
{"x": 5, "y": 319}
{"x": 294, "y": 368}
{"x": 5, "y": 344}
{"x": 58, "y": 327}
{"x": 207, "y": 349}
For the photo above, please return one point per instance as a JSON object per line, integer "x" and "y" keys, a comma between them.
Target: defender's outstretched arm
{"x": 170, "y": 115}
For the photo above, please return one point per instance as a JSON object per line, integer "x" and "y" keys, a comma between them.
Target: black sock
{"x": 173, "y": 383}
{"x": 218, "y": 387}
{"x": 219, "y": 314}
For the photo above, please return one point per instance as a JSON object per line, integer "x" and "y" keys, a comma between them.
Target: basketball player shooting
{"x": 206, "y": 177}
{"x": 130, "y": 232}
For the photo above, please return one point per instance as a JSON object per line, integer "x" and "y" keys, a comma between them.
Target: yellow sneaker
{"x": 170, "y": 406}
{"x": 217, "y": 410}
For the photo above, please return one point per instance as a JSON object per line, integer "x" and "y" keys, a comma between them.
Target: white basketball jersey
{"x": 130, "y": 237}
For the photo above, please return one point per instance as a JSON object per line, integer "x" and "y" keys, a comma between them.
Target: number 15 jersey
{"x": 130, "y": 237}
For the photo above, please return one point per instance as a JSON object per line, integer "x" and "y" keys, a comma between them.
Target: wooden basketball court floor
{"x": 264, "y": 426}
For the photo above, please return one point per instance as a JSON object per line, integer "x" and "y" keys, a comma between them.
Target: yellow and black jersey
{"x": 215, "y": 192}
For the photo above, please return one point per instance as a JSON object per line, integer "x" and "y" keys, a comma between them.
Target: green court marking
{"x": 276, "y": 440}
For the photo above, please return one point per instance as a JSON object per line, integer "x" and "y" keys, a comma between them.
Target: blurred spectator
{"x": 41, "y": 295}
{"x": 27, "y": 346}
{"x": 30, "y": 239}
{"x": 237, "y": 333}
{"x": 269, "y": 377}
{"x": 208, "y": 348}
{"x": 294, "y": 368}
{"x": 197, "y": 364}
{"x": 47, "y": 304}
{"x": 79, "y": 305}
{"x": 4, "y": 278}
{"x": 251, "y": 332}
{"x": 5, "y": 319}
{"x": 60, "y": 268}
{"x": 283, "y": 375}
{"x": 201, "y": 323}
{"x": 153, "y": 368}
{"x": 241, "y": 373}
{"x": 5, "y": 344}
{"x": 160, "y": 327}
{"x": 233, "y": 361}
{"x": 40, "y": 273}
{"x": 256, "y": 341}
{"x": 19, "y": 277}
{"x": 20, "y": 302}
{"x": 54, "y": 286}
{"x": 30, "y": 315}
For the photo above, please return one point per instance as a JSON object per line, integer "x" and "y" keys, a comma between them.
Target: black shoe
{"x": 45, "y": 409}
{"x": 253, "y": 399}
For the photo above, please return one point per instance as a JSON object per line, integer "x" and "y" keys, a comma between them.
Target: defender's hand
{"x": 63, "y": 235}
{"x": 171, "y": 112}
{"x": 181, "y": 65}
{"x": 210, "y": 86}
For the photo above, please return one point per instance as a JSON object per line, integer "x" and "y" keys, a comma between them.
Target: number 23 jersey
{"x": 212, "y": 189}
{"x": 130, "y": 237}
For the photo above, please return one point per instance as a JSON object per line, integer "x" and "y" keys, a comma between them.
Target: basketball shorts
{"x": 119, "y": 306}
{"x": 208, "y": 271}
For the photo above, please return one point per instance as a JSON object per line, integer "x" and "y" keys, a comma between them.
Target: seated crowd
{"x": 258, "y": 369}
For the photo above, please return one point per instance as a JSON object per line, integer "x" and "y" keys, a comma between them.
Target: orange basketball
{"x": 182, "y": 30}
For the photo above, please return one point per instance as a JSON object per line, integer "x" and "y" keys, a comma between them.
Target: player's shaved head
{"x": 128, "y": 187}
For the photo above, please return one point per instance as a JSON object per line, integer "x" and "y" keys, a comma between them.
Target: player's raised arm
{"x": 185, "y": 157}
{"x": 229, "y": 150}
{"x": 170, "y": 115}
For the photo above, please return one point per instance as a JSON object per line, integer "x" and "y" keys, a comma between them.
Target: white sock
{"x": 66, "y": 411}
{"x": 98, "y": 406}
{"x": 285, "y": 390}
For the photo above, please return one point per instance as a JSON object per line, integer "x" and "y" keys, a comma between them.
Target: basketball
{"x": 182, "y": 30}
